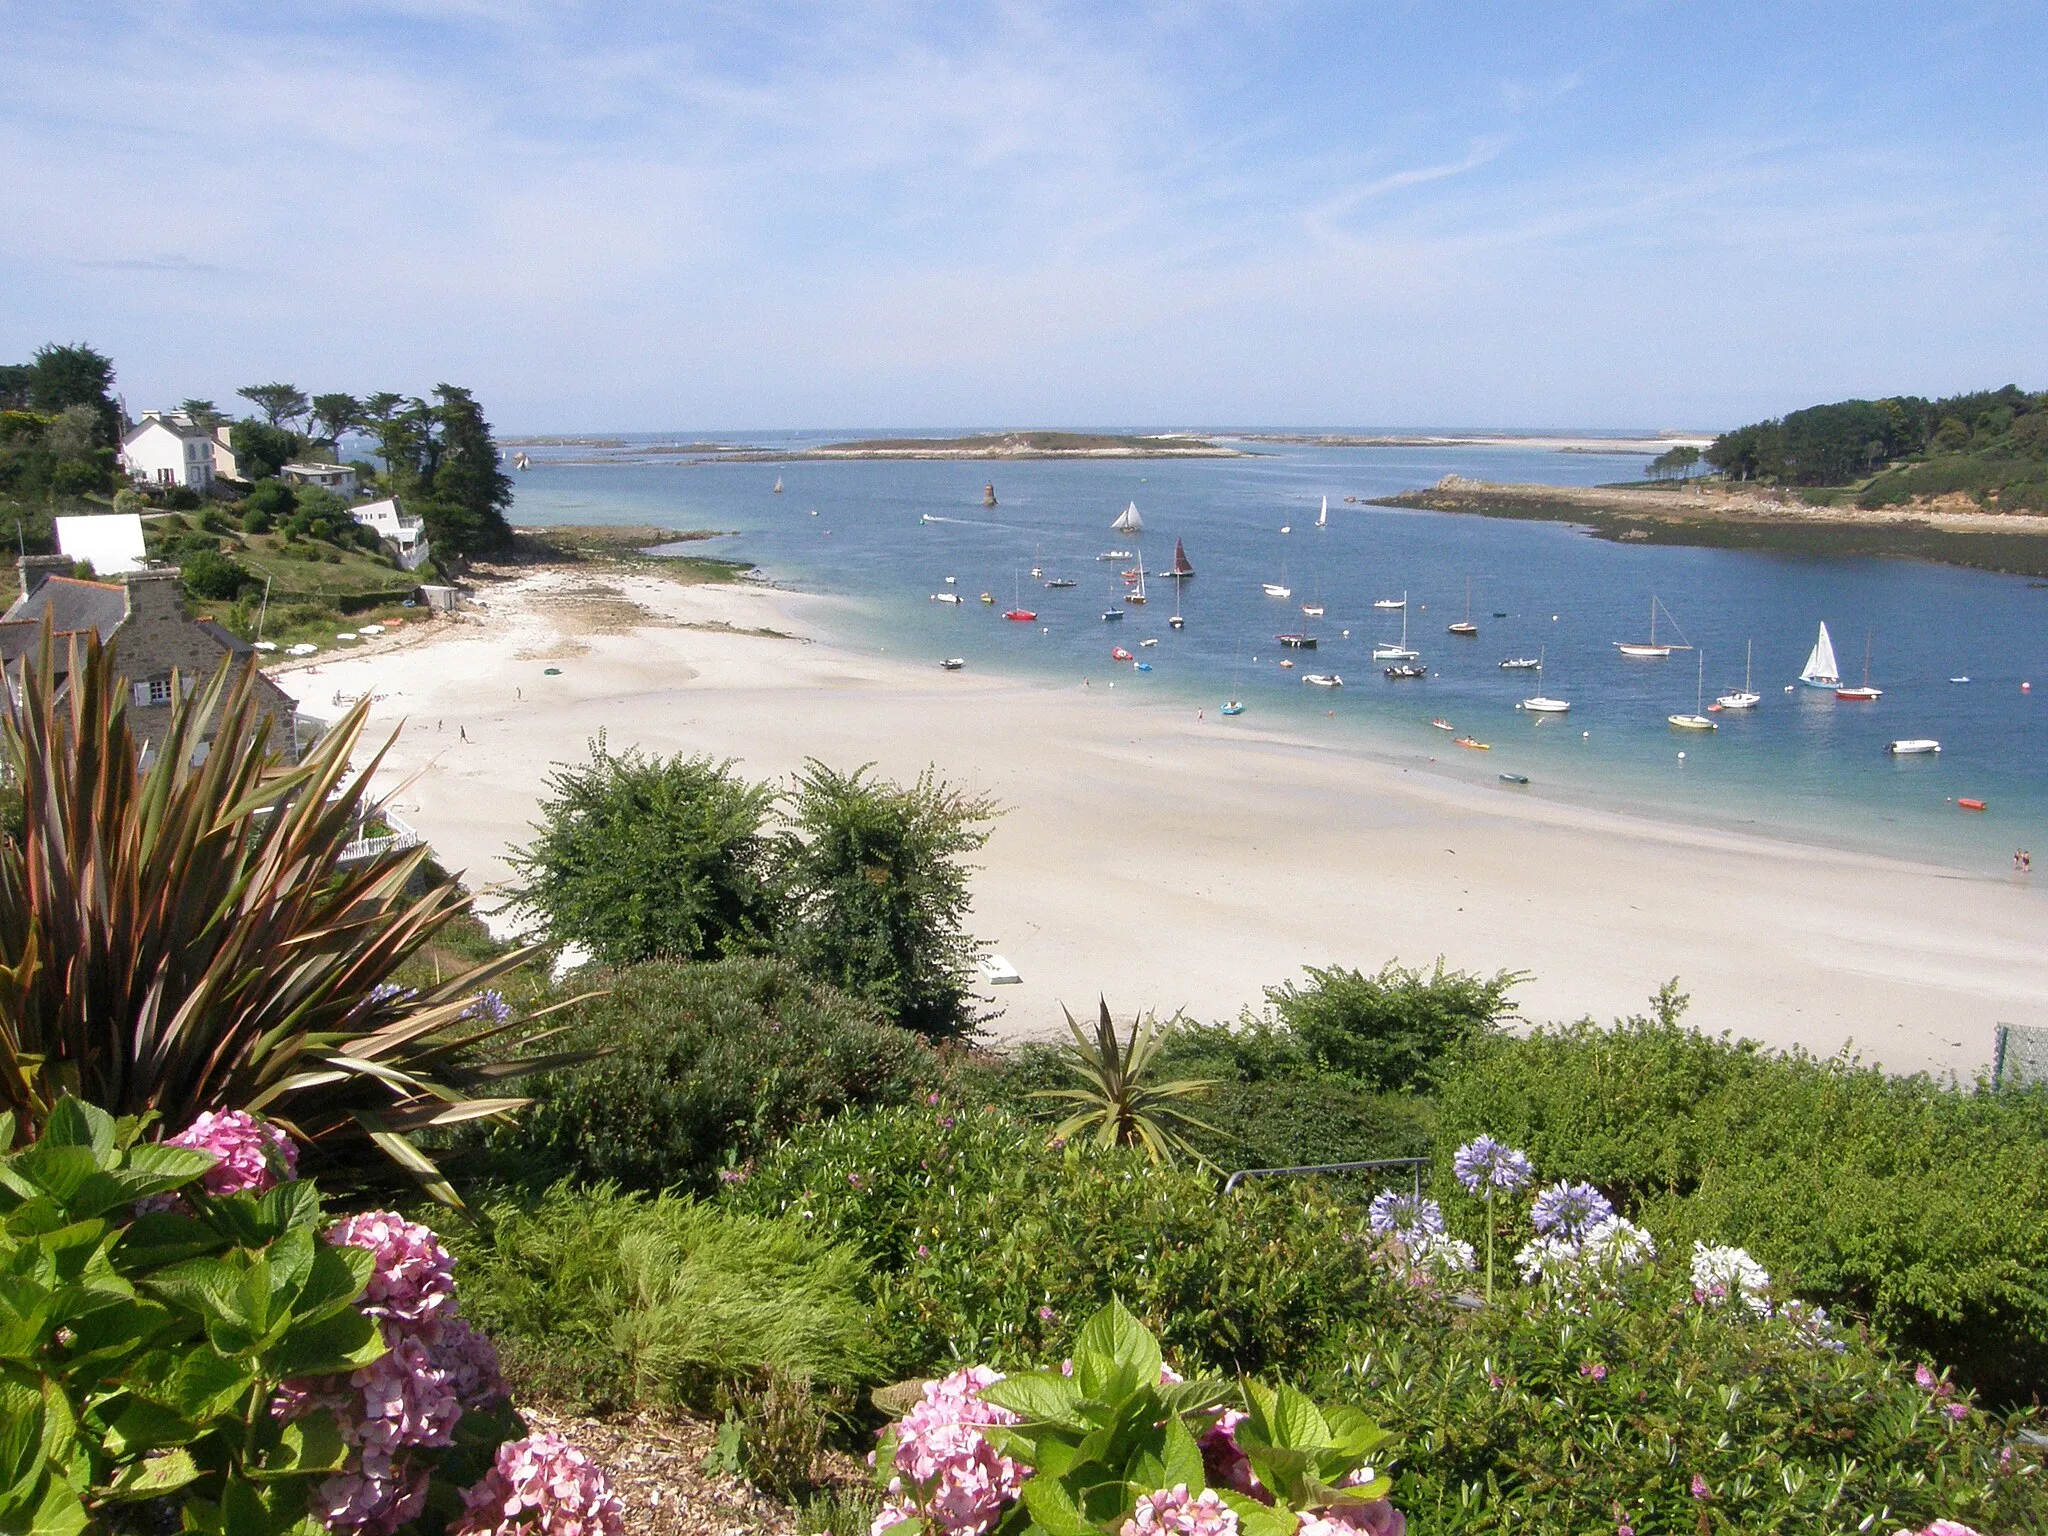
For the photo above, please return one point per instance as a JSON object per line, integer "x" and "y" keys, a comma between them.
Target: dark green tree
{"x": 204, "y": 413}
{"x": 261, "y": 450}
{"x": 279, "y": 403}
{"x": 16, "y": 379}
{"x": 642, "y": 858}
{"x": 466, "y": 473}
{"x": 378, "y": 412}
{"x": 77, "y": 375}
{"x": 876, "y": 882}
{"x": 333, "y": 416}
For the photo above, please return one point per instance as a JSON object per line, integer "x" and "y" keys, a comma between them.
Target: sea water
{"x": 886, "y": 533}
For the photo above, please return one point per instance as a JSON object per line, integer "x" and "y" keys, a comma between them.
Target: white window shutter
{"x": 141, "y": 694}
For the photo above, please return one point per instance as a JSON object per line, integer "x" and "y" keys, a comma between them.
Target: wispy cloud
{"x": 165, "y": 263}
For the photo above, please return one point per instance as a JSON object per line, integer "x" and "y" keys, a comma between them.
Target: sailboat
{"x": 1176, "y": 621}
{"x": 1866, "y": 694}
{"x": 1279, "y": 588}
{"x": 1642, "y": 649}
{"x": 1018, "y": 613}
{"x": 778, "y": 485}
{"x": 1748, "y": 698}
{"x": 1821, "y": 671}
{"x": 1181, "y": 569}
{"x": 1314, "y": 608}
{"x": 1465, "y": 626}
{"x": 1128, "y": 521}
{"x": 1543, "y": 704}
{"x": 988, "y": 494}
{"x": 1234, "y": 705}
{"x": 1385, "y": 652}
{"x": 1696, "y": 721}
{"x": 1323, "y": 517}
{"x": 1036, "y": 569}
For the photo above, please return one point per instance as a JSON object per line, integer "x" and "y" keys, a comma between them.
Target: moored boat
{"x": 1821, "y": 670}
{"x": 1476, "y": 746}
{"x": 1407, "y": 670}
{"x": 1912, "y": 746}
{"x": 1322, "y": 679}
{"x": 954, "y": 663}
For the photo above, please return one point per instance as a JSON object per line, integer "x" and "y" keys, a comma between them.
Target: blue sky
{"x": 852, "y": 214}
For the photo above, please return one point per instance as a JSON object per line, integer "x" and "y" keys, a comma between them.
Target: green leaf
{"x": 56, "y": 1168}
{"x": 1053, "y": 1511}
{"x": 210, "y": 1287}
{"x": 154, "y": 1475}
{"x": 1043, "y": 1397}
{"x": 74, "y": 1123}
{"x": 1256, "y": 1519}
{"x": 333, "y": 1280}
{"x": 58, "y": 1513}
{"x": 307, "y": 1446}
{"x": 344, "y": 1341}
{"x": 1114, "y": 1355}
{"x": 1297, "y": 1421}
{"x": 144, "y": 1426}
{"x": 1181, "y": 1457}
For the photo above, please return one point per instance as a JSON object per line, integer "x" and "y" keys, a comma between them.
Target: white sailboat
{"x": 1386, "y": 652}
{"x": 1821, "y": 671}
{"x": 1543, "y": 704}
{"x": 1128, "y": 521}
{"x": 1696, "y": 721}
{"x": 1650, "y": 649}
{"x": 1323, "y": 517}
{"x": 1279, "y": 588}
{"x": 778, "y": 485}
{"x": 1748, "y": 698}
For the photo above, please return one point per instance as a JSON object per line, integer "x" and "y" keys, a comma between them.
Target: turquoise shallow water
{"x": 1803, "y": 764}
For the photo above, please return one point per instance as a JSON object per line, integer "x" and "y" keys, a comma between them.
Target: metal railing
{"x": 1417, "y": 1164}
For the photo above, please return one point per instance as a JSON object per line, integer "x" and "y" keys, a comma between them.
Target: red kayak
{"x": 1969, "y": 805}
{"x": 1021, "y": 615}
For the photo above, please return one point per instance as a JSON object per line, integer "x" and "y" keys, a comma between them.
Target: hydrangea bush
{"x": 1117, "y": 1443}
{"x": 184, "y": 1327}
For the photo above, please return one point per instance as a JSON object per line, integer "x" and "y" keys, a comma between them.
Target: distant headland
{"x": 979, "y": 445}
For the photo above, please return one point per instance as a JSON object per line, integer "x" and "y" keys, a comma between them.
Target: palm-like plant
{"x": 179, "y": 936}
{"x": 1119, "y": 1104}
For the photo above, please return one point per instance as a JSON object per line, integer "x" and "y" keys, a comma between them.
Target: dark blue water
{"x": 1802, "y": 763}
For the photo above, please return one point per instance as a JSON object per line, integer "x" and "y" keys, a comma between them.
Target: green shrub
{"x": 643, "y": 858}
{"x": 1391, "y": 1030}
{"x": 601, "y": 1298}
{"x": 1916, "y": 1205}
{"x": 991, "y": 1243}
{"x": 212, "y": 576}
{"x": 1535, "y": 1418}
{"x": 708, "y": 1065}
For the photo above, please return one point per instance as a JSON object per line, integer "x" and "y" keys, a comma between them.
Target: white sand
{"x": 1172, "y": 863}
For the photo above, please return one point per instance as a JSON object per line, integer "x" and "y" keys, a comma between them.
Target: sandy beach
{"x": 1169, "y": 862}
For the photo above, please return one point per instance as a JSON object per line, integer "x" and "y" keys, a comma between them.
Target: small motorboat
{"x": 1391, "y": 602}
{"x": 945, "y": 597}
{"x": 1020, "y": 616}
{"x": 1693, "y": 722}
{"x": 1322, "y": 680}
{"x": 1143, "y": 643}
{"x": 951, "y": 579}
{"x": 989, "y": 598}
{"x": 1233, "y": 708}
{"x": 1406, "y": 670}
{"x": 1176, "y": 622}
{"x": 1464, "y": 627}
{"x": 1959, "y": 679}
{"x": 1970, "y": 805}
{"x": 1144, "y": 666}
{"x": 1442, "y": 724}
{"x": 1912, "y": 746}
{"x": 1112, "y": 615}
{"x": 1514, "y": 778}
{"x": 1287, "y": 528}
{"x": 1275, "y": 589}
{"x": 953, "y": 663}
{"x": 1114, "y": 554}
{"x": 1476, "y": 746}
{"x": 1120, "y": 654}
{"x": 1286, "y": 666}
{"x": 1520, "y": 664}
{"x": 1059, "y": 582}
{"x": 1297, "y": 641}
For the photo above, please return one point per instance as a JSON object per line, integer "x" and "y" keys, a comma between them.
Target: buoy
{"x": 1585, "y": 735}
{"x": 2026, "y": 687}
{"x": 1681, "y": 757}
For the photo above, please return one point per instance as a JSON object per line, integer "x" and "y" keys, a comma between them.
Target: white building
{"x": 225, "y": 465}
{"x": 168, "y": 448}
{"x": 112, "y": 541}
{"x": 402, "y": 529}
{"x": 338, "y": 478}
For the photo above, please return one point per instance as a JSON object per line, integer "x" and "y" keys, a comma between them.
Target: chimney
{"x": 157, "y": 594}
{"x": 37, "y": 569}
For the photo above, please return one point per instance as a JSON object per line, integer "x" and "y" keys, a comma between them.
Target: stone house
{"x": 142, "y": 617}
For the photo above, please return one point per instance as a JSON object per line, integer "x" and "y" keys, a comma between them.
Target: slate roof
{"x": 73, "y": 607}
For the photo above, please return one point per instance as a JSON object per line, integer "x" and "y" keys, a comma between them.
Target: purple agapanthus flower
{"x": 1484, "y": 1164}
{"x": 1406, "y": 1215}
{"x": 1569, "y": 1209}
{"x": 490, "y": 1006}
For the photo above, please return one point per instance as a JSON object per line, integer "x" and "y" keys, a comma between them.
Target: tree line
{"x": 61, "y": 428}
{"x": 1839, "y": 443}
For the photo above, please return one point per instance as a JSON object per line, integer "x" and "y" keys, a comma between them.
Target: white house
{"x": 338, "y": 478}
{"x": 403, "y": 529}
{"x": 112, "y": 541}
{"x": 168, "y": 448}
{"x": 225, "y": 464}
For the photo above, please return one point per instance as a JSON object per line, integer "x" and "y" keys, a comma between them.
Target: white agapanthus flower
{"x": 1442, "y": 1254}
{"x": 1616, "y": 1244}
{"x": 1724, "y": 1274}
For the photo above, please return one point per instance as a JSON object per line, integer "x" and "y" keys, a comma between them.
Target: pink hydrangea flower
{"x": 254, "y": 1154}
{"x": 947, "y": 1471}
{"x": 371, "y": 1499}
{"x": 406, "y": 1399}
{"x": 414, "y": 1278}
{"x": 1943, "y": 1528}
{"x": 1377, "y": 1517}
{"x": 541, "y": 1486}
{"x": 1176, "y": 1511}
{"x": 1224, "y": 1462}
{"x": 467, "y": 1359}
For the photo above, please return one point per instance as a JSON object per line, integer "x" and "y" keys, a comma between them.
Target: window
{"x": 159, "y": 690}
